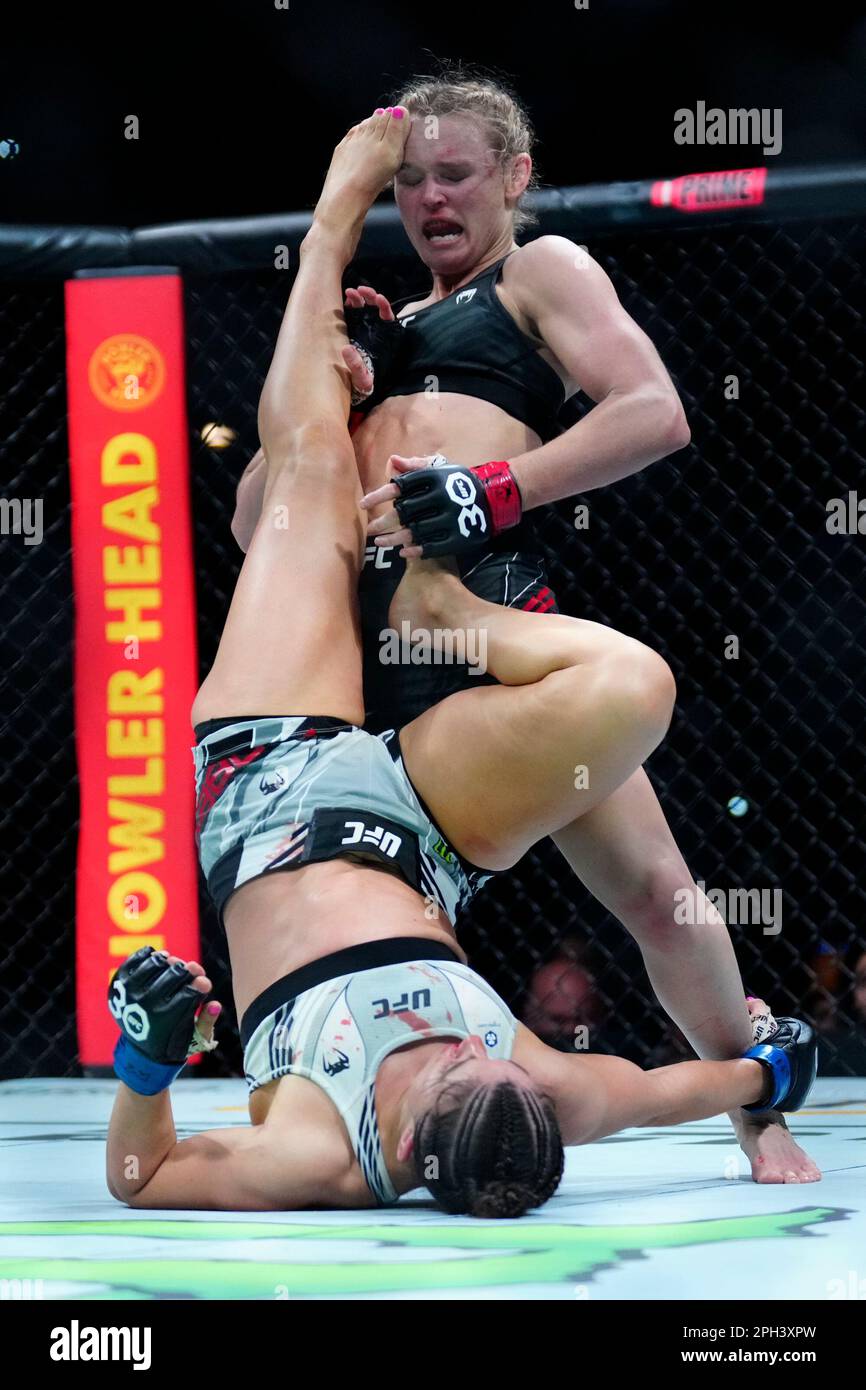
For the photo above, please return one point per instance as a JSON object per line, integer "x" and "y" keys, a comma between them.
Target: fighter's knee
{"x": 320, "y": 445}
{"x": 658, "y": 680}
{"x": 653, "y": 901}
{"x": 643, "y": 685}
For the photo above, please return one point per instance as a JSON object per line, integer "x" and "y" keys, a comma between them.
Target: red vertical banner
{"x": 135, "y": 648}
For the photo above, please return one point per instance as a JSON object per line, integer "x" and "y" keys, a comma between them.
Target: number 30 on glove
{"x": 156, "y": 1005}
{"x": 452, "y": 510}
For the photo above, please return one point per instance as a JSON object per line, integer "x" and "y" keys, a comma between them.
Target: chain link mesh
{"x": 726, "y": 539}
{"x": 38, "y": 788}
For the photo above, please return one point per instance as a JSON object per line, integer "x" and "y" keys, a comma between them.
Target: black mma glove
{"x": 156, "y": 1005}
{"x": 380, "y": 342}
{"x": 451, "y": 510}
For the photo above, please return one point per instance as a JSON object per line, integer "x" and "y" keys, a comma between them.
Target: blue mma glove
{"x": 156, "y": 1006}
{"x": 791, "y": 1058}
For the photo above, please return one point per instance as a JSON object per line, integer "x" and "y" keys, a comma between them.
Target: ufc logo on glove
{"x": 462, "y": 491}
{"x": 451, "y": 510}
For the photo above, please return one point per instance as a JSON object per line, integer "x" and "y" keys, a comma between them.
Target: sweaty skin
{"x": 623, "y": 852}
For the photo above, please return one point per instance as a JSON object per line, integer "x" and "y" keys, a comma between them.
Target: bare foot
{"x": 427, "y": 596}
{"x": 765, "y": 1139}
{"x": 363, "y": 163}
{"x": 772, "y": 1151}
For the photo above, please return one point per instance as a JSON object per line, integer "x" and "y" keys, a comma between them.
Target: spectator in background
{"x": 828, "y": 968}
{"x": 860, "y": 990}
{"x": 561, "y": 997}
{"x": 568, "y": 1010}
{"x": 842, "y": 1040}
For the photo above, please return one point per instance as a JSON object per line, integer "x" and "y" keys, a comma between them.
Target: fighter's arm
{"x": 572, "y": 308}
{"x": 638, "y": 419}
{"x": 243, "y": 1169}
{"x": 160, "y": 1005}
{"x": 596, "y": 1095}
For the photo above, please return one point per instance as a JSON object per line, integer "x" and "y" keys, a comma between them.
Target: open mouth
{"x": 440, "y": 232}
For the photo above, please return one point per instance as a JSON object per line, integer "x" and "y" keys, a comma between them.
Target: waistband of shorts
{"x": 368, "y": 955}
{"x": 221, "y": 738}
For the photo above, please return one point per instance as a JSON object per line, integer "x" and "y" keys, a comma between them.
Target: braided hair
{"x": 496, "y": 1152}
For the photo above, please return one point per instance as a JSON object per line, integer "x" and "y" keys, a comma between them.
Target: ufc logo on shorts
{"x": 461, "y": 489}
{"x": 387, "y": 842}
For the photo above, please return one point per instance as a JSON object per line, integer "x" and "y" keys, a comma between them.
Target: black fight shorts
{"x": 396, "y": 693}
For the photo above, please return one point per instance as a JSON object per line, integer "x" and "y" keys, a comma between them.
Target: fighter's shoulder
{"x": 306, "y": 1146}
{"x": 547, "y": 266}
{"x": 545, "y": 252}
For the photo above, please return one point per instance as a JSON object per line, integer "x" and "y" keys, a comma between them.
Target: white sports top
{"x": 339, "y": 1032}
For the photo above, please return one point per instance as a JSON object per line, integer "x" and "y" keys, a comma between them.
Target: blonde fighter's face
{"x": 451, "y": 192}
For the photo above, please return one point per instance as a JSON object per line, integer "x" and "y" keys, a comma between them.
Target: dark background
{"x": 240, "y": 104}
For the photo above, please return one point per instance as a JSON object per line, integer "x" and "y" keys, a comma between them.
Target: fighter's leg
{"x": 578, "y": 708}
{"x": 290, "y": 643}
{"x": 623, "y": 851}
{"x": 476, "y": 762}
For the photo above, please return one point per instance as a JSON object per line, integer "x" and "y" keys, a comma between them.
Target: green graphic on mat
{"x": 379, "y": 1259}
